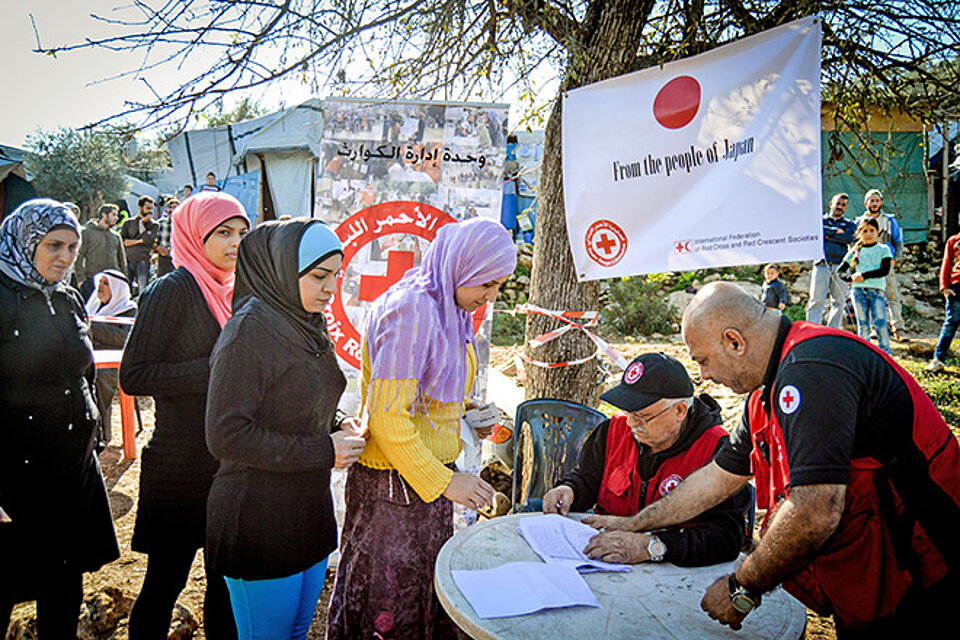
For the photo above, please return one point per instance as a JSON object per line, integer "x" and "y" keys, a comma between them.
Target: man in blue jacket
{"x": 838, "y": 232}
{"x": 892, "y": 235}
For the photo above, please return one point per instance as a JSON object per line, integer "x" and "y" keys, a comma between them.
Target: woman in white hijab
{"x": 110, "y": 299}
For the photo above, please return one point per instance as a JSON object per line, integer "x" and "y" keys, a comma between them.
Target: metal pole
{"x": 945, "y": 166}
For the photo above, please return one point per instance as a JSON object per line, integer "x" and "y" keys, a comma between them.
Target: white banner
{"x": 709, "y": 161}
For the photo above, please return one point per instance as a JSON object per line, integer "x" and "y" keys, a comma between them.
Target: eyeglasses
{"x": 644, "y": 421}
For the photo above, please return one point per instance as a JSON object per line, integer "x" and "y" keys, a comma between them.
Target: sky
{"x": 47, "y": 93}
{"x": 74, "y": 89}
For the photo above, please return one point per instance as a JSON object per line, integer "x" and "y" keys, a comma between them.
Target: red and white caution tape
{"x": 586, "y": 318}
{"x": 111, "y": 319}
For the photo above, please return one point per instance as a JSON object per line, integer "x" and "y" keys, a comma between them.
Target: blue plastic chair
{"x": 551, "y": 433}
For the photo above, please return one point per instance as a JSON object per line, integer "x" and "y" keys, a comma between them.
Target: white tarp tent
{"x": 283, "y": 145}
{"x": 138, "y": 188}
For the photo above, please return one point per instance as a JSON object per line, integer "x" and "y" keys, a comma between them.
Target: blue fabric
{"x": 508, "y": 205}
{"x": 871, "y": 309}
{"x": 949, "y": 329}
{"x": 896, "y": 237}
{"x": 317, "y": 242}
{"x": 837, "y": 234}
{"x": 773, "y": 294}
{"x": 279, "y": 609}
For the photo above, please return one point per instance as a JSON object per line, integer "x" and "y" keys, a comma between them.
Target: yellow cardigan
{"x": 419, "y": 447}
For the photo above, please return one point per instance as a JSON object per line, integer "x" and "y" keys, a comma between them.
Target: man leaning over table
{"x": 858, "y": 471}
{"x": 639, "y": 455}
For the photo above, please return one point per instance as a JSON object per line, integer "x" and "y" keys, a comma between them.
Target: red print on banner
{"x": 359, "y": 230}
{"x": 677, "y": 102}
{"x": 606, "y": 243}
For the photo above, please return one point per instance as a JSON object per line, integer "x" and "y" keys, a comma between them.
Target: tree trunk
{"x": 609, "y": 39}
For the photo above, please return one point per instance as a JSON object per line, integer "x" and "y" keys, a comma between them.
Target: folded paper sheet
{"x": 519, "y": 588}
{"x": 561, "y": 540}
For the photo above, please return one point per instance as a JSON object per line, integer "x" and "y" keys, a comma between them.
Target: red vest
{"x": 861, "y": 572}
{"x": 621, "y": 489}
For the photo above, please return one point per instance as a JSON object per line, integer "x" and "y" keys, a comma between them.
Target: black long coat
{"x": 50, "y": 480}
{"x": 167, "y": 357}
{"x": 271, "y": 408}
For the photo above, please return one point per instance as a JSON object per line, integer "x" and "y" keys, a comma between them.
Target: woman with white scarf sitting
{"x": 110, "y": 298}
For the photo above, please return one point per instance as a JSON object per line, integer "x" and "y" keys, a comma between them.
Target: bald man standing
{"x": 859, "y": 473}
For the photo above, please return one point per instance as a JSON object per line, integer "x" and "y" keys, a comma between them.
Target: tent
{"x": 889, "y": 156}
{"x": 15, "y": 184}
{"x": 281, "y": 148}
{"x": 137, "y": 189}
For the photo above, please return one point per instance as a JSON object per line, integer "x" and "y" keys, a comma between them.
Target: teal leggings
{"x": 278, "y": 609}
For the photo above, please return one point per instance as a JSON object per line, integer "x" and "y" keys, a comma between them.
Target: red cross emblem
{"x": 606, "y": 242}
{"x": 356, "y": 233}
{"x": 398, "y": 262}
{"x": 789, "y": 399}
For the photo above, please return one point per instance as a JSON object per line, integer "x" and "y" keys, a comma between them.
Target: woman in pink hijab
{"x": 166, "y": 356}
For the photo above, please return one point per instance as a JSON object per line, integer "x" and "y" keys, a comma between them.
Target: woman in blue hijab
{"x": 272, "y": 423}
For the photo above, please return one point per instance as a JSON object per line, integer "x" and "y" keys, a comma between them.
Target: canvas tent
{"x": 15, "y": 184}
{"x": 137, "y": 188}
{"x": 895, "y": 163}
{"x": 281, "y": 148}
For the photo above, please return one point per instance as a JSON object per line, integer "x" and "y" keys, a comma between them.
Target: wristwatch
{"x": 743, "y": 599}
{"x": 656, "y": 549}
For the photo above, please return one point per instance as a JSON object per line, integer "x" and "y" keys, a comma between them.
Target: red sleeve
{"x": 947, "y": 264}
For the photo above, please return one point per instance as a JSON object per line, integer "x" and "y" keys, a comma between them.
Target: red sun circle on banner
{"x": 677, "y": 102}
{"x": 361, "y": 229}
{"x": 606, "y": 242}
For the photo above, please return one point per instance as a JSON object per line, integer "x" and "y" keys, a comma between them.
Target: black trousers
{"x": 58, "y": 605}
{"x": 167, "y": 574}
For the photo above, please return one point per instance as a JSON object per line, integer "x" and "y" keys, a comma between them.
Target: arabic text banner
{"x": 706, "y": 162}
{"x": 390, "y": 175}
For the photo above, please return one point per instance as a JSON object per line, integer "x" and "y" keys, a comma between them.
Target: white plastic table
{"x": 652, "y": 602}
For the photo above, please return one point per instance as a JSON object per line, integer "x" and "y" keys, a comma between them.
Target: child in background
{"x": 774, "y": 294}
{"x": 870, "y": 262}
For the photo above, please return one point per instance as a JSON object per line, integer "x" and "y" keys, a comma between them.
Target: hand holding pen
{"x": 558, "y": 500}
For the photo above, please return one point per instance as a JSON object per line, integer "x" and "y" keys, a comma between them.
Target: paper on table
{"x": 519, "y": 588}
{"x": 560, "y": 540}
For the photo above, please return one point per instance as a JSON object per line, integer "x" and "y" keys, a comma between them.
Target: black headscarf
{"x": 267, "y": 269}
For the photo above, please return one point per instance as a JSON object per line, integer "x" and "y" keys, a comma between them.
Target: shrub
{"x": 508, "y": 329}
{"x": 637, "y": 306}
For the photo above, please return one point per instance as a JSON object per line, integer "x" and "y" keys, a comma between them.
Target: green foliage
{"x": 636, "y": 306}
{"x": 795, "y": 312}
{"x": 508, "y": 329}
{"x": 216, "y": 116}
{"x": 81, "y": 166}
{"x": 943, "y": 388}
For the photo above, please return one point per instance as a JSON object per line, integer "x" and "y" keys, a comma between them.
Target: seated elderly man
{"x": 640, "y": 455}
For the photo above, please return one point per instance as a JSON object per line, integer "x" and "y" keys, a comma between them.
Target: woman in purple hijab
{"x": 418, "y": 365}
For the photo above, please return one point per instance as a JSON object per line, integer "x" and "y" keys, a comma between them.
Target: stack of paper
{"x": 560, "y": 540}
{"x": 519, "y": 588}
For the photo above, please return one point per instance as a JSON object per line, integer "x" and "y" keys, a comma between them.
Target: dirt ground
{"x": 122, "y": 477}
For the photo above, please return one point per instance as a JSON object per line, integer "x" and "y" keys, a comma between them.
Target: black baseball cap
{"x": 649, "y": 378}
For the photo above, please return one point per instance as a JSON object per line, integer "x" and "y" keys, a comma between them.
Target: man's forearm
{"x": 704, "y": 488}
{"x": 800, "y": 526}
